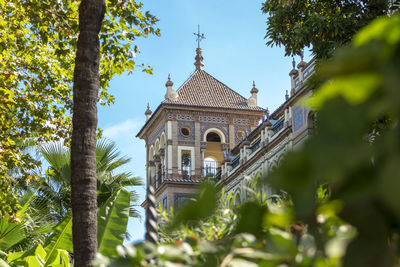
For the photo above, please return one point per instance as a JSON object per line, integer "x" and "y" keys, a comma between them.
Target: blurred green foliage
{"x": 342, "y": 206}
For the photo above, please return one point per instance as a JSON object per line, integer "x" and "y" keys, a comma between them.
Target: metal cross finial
{"x": 199, "y": 36}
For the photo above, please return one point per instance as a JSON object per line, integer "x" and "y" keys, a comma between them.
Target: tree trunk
{"x": 84, "y": 121}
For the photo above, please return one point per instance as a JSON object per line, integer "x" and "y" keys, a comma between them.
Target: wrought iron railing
{"x": 277, "y": 126}
{"x": 211, "y": 168}
{"x": 235, "y": 161}
{"x": 186, "y": 171}
{"x": 157, "y": 181}
{"x": 255, "y": 145}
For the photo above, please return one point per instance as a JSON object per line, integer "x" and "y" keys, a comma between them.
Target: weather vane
{"x": 199, "y": 36}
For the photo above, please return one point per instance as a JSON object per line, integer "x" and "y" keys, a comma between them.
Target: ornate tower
{"x": 191, "y": 132}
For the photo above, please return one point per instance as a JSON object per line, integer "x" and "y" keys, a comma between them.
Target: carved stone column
{"x": 243, "y": 151}
{"x": 162, "y": 166}
{"x": 157, "y": 162}
{"x": 203, "y": 146}
{"x": 225, "y": 150}
{"x": 151, "y": 167}
{"x": 264, "y": 137}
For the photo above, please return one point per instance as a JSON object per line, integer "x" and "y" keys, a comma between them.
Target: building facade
{"x": 284, "y": 130}
{"x": 205, "y": 129}
{"x": 191, "y": 133}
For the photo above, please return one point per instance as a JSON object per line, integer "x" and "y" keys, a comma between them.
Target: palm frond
{"x": 108, "y": 157}
{"x": 134, "y": 213}
{"x": 132, "y": 181}
{"x": 10, "y": 234}
{"x": 133, "y": 208}
{"x": 58, "y": 156}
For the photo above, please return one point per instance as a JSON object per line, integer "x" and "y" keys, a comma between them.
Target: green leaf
{"x": 384, "y": 28}
{"x": 112, "y": 222}
{"x": 61, "y": 259}
{"x": 198, "y": 208}
{"x": 251, "y": 218}
{"x": 64, "y": 257}
{"x": 26, "y": 201}
{"x": 354, "y": 88}
{"x": 60, "y": 239}
{"x": 34, "y": 257}
{"x": 13, "y": 256}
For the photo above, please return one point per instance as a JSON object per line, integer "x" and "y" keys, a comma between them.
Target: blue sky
{"x": 234, "y": 52}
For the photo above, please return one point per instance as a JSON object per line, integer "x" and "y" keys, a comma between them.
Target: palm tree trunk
{"x": 83, "y": 145}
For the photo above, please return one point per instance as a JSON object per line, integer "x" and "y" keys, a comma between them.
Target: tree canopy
{"x": 37, "y": 50}
{"x": 321, "y": 25}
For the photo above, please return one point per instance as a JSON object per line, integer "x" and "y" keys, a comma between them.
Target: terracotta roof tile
{"x": 202, "y": 89}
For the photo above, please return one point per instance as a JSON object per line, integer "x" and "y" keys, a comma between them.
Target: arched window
{"x": 162, "y": 140}
{"x": 213, "y": 154}
{"x": 151, "y": 153}
{"x": 213, "y": 137}
{"x": 215, "y": 131}
{"x": 238, "y": 201}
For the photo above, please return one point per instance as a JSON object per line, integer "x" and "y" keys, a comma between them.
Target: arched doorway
{"x": 213, "y": 155}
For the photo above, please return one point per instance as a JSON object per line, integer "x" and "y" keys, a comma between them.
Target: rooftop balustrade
{"x": 235, "y": 161}
{"x": 277, "y": 126}
{"x": 255, "y": 145}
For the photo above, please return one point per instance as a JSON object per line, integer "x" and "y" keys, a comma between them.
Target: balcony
{"x": 211, "y": 169}
{"x": 186, "y": 169}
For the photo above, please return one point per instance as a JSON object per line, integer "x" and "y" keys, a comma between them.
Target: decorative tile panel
{"x": 310, "y": 70}
{"x": 241, "y": 121}
{"x": 184, "y": 117}
{"x": 188, "y": 124}
{"x": 214, "y": 119}
{"x": 241, "y": 128}
{"x": 186, "y": 143}
{"x": 297, "y": 82}
{"x": 298, "y": 118}
{"x": 157, "y": 133}
{"x": 281, "y": 146}
{"x": 224, "y": 128}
